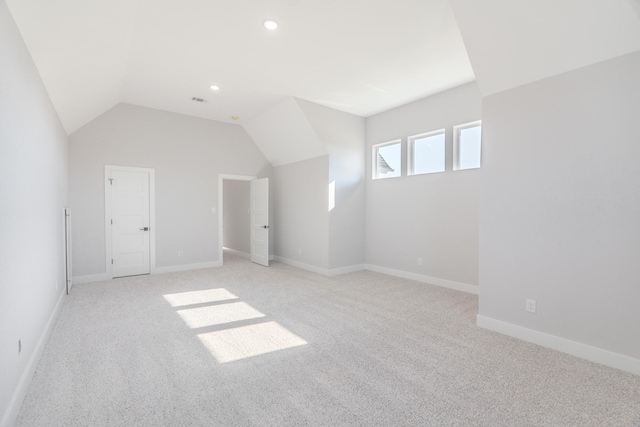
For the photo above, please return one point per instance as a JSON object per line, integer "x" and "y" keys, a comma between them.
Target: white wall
{"x": 560, "y": 206}
{"x": 300, "y": 222}
{"x": 432, "y": 216}
{"x": 343, "y": 137}
{"x": 33, "y": 190}
{"x": 187, "y": 153}
{"x": 236, "y": 219}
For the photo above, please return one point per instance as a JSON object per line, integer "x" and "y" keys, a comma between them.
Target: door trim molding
{"x": 68, "y": 268}
{"x": 107, "y": 215}
{"x": 221, "y": 178}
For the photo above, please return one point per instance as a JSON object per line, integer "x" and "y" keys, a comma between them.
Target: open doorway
{"x": 236, "y": 219}
{"x": 258, "y": 212}
{"x": 231, "y": 189}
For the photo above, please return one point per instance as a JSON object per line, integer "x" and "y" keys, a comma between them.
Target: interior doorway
{"x": 258, "y": 216}
{"x": 236, "y": 223}
{"x": 129, "y": 220}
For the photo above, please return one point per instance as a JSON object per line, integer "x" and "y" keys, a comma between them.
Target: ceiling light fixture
{"x": 214, "y": 87}
{"x": 270, "y": 25}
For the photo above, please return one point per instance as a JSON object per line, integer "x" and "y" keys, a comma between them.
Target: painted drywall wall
{"x": 236, "y": 226}
{"x": 343, "y": 136}
{"x": 33, "y": 190}
{"x": 431, "y": 216}
{"x": 301, "y": 223}
{"x": 187, "y": 154}
{"x": 560, "y": 206}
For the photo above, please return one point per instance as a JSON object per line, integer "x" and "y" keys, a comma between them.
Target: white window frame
{"x": 411, "y": 151}
{"x": 374, "y": 158}
{"x": 456, "y": 143}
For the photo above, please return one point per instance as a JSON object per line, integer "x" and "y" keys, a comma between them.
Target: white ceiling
{"x": 358, "y": 56}
{"x": 285, "y": 144}
{"x": 514, "y": 42}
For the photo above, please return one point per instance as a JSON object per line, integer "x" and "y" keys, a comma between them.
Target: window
{"x": 426, "y": 153}
{"x": 467, "y": 145}
{"x": 387, "y": 161}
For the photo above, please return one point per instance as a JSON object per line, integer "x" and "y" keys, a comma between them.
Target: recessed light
{"x": 234, "y": 117}
{"x": 270, "y": 25}
{"x": 214, "y": 87}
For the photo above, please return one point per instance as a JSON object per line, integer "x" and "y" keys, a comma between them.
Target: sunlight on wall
{"x": 218, "y": 314}
{"x": 229, "y": 345}
{"x": 332, "y": 195}
{"x": 199, "y": 297}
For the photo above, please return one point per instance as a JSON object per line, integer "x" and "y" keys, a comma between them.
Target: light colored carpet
{"x": 245, "y": 345}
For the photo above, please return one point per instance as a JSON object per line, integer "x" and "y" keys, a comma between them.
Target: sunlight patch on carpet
{"x": 248, "y": 341}
{"x": 218, "y": 314}
{"x": 199, "y": 297}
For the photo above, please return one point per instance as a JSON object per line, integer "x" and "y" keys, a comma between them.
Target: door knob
{"x": 265, "y": 226}
{"x": 144, "y": 229}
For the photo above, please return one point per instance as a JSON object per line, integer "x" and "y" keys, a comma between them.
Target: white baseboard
{"x": 301, "y": 265}
{"x": 584, "y": 351}
{"x": 472, "y": 289}
{"x": 319, "y": 270}
{"x": 450, "y": 284}
{"x": 186, "y": 267}
{"x": 81, "y": 280}
{"x": 344, "y": 270}
{"x": 238, "y": 253}
{"x": 13, "y": 408}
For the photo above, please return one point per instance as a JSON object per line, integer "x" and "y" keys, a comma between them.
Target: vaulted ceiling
{"x": 358, "y": 56}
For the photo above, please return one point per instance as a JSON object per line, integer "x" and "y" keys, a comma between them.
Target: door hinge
{"x": 111, "y": 260}
{"x": 111, "y": 222}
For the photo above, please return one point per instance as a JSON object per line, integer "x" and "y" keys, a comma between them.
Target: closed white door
{"x": 260, "y": 221}
{"x": 130, "y": 248}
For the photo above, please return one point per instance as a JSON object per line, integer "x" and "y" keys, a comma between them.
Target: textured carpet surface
{"x": 245, "y": 345}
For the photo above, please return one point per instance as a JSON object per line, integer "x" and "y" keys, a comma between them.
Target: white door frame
{"x": 260, "y": 221}
{"x": 221, "y": 178}
{"x": 66, "y": 211}
{"x": 107, "y": 214}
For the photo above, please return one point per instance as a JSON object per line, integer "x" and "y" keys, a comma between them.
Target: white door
{"x": 260, "y": 221}
{"x": 130, "y": 248}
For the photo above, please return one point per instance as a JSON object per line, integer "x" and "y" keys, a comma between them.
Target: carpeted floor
{"x": 245, "y": 345}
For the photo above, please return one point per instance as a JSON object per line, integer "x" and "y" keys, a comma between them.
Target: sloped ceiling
{"x": 81, "y": 50}
{"x": 285, "y": 135}
{"x": 358, "y": 56}
{"x": 514, "y": 42}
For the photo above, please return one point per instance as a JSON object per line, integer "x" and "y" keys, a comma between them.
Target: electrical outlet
{"x": 299, "y": 251}
{"x": 180, "y": 253}
{"x": 419, "y": 261}
{"x": 530, "y": 305}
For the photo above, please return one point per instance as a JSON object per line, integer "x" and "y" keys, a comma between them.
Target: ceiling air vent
{"x": 200, "y": 100}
